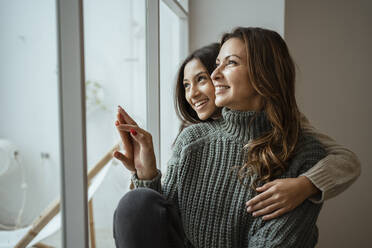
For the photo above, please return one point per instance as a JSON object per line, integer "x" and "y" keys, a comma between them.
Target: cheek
{"x": 187, "y": 97}
{"x": 208, "y": 90}
{"x": 239, "y": 81}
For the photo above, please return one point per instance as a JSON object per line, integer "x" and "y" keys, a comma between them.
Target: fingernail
{"x": 132, "y": 131}
{"x": 116, "y": 123}
{"x": 249, "y": 209}
{"x": 254, "y": 214}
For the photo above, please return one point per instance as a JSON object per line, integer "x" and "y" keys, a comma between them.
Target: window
{"x": 59, "y": 126}
{"x": 29, "y": 126}
{"x": 170, "y": 58}
{"x": 115, "y": 74}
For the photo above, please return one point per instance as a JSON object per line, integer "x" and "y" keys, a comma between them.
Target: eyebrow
{"x": 231, "y": 55}
{"x": 199, "y": 73}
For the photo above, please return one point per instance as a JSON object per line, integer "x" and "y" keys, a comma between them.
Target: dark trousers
{"x": 144, "y": 218}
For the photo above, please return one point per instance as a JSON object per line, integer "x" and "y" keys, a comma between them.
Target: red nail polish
{"x": 132, "y": 131}
{"x": 116, "y": 123}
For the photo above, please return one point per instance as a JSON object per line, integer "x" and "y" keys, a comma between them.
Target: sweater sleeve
{"x": 334, "y": 173}
{"x": 168, "y": 188}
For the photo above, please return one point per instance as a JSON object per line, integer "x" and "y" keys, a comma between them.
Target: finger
{"x": 134, "y": 130}
{"x": 262, "y": 204}
{"x": 275, "y": 214}
{"x": 127, "y": 142}
{"x": 126, "y": 116}
{"x": 267, "y": 210}
{"x": 120, "y": 118}
{"x": 128, "y": 163}
{"x": 139, "y": 135}
{"x": 265, "y": 187}
{"x": 259, "y": 198}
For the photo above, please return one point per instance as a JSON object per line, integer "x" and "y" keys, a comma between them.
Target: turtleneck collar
{"x": 244, "y": 125}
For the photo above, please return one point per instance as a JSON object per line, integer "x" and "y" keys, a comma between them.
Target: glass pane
{"x": 29, "y": 126}
{"x": 169, "y": 64}
{"x": 115, "y": 73}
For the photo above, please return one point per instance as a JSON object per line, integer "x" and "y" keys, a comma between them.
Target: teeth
{"x": 222, "y": 87}
{"x": 200, "y": 103}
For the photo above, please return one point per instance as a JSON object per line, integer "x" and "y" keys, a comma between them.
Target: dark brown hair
{"x": 207, "y": 56}
{"x": 271, "y": 72}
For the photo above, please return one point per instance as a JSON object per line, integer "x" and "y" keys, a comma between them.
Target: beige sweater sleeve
{"x": 334, "y": 173}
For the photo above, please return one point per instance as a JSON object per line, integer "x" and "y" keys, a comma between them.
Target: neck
{"x": 245, "y": 125}
{"x": 254, "y": 103}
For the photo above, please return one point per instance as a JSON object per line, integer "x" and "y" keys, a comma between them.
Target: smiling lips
{"x": 201, "y": 103}
{"x": 220, "y": 89}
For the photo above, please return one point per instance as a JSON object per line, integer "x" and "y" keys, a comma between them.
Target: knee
{"x": 135, "y": 216}
{"x": 139, "y": 202}
{"x": 139, "y": 198}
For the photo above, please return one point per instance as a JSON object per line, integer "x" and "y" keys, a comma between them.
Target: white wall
{"x": 209, "y": 19}
{"x": 331, "y": 44}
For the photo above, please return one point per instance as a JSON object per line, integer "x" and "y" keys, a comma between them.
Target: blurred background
{"x": 329, "y": 41}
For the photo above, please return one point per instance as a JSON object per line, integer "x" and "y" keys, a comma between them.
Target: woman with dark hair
{"x": 195, "y": 72}
{"x": 254, "y": 81}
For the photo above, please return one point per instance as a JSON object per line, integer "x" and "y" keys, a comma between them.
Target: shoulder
{"x": 308, "y": 152}
{"x": 196, "y": 133}
{"x": 308, "y": 145}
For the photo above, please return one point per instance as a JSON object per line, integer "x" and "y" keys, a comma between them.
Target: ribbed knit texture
{"x": 210, "y": 198}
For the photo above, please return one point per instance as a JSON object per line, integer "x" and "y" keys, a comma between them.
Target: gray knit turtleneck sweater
{"x": 210, "y": 198}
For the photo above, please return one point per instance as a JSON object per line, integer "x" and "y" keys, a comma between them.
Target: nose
{"x": 216, "y": 74}
{"x": 194, "y": 91}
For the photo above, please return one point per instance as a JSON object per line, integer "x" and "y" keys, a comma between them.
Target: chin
{"x": 220, "y": 102}
{"x": 203, "y": 117}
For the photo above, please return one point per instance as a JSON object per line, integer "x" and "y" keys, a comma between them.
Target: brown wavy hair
{"x": 271, "y": 71}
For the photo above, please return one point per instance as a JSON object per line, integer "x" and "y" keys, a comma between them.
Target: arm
{"x": 337, "y": 171}
{"x": 328, "y": 178}
{"x": 168, "y": 187}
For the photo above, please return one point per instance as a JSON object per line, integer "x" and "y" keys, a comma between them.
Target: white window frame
{"x": 153, "y": 75}
{"x": 72, "y": 107}
{"x": 72, "y": 123}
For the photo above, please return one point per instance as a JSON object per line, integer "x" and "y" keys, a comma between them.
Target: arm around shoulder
{"x": 337, "y": 171}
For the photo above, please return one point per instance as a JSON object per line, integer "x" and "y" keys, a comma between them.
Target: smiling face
{"x": 199, "y": 90}
{"x": 231, "y": 79}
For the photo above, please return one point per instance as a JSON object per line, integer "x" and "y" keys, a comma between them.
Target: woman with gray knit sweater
{"x": 217, "y": 165}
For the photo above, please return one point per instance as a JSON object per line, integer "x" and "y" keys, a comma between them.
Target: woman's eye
{"x": 186, "y": 85}
{"x": 201, "y": 78}
{"x": 231, "y": 62}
